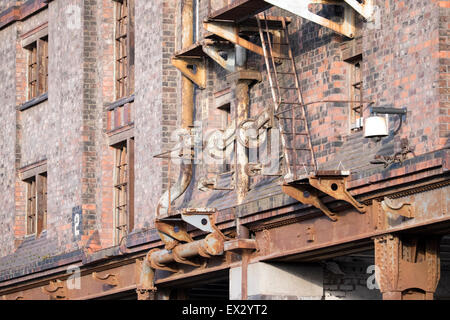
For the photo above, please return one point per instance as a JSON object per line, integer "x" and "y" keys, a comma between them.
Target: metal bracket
{"x": 301, "y": 8}
{"x": 335, "y": 187}
{"x": 206, "y": 184}
{"x": 201, "y": 218}
{"x": 230, "y": 31}
{"x": 16, "y": 297}
{"x": 109, "y": 279}
{"x": 146, "y": 294}
{"x": 185, "y": 65}
{"x": 403, "y": 209}
{"x": 172, "y": 233}
{"x": 310, "y": 234}
{"x": 56, "y": 290}
{"x": 214, "y": 52}
{"x": 365, "y": 9}
{"x": 308, "y": 195}
{"x": 240, "y": 246}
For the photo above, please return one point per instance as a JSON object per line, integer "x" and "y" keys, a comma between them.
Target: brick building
{"x": 220, "y": 149}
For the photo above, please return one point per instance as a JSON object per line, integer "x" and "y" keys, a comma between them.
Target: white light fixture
{"x": 377, "y": 126}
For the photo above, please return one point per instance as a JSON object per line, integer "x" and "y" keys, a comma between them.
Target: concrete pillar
{"x": 278, "y": 281}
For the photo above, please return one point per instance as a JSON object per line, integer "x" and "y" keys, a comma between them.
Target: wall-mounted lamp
{"x": 377, "y": 126}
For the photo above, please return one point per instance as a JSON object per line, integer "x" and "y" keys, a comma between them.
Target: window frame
{"x": 123, "y": 201}
{"x": 37, "y": 65}
{"x": 123, "y": 49}
{"x": 36, "y": 203}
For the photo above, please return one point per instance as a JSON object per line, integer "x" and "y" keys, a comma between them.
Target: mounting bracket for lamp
{"x": 376, "y": 126}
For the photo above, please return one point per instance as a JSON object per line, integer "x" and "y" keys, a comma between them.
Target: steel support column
{"x": 408, "y": 268}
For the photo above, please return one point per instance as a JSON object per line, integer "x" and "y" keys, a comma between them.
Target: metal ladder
{"x": 291, "y": 113}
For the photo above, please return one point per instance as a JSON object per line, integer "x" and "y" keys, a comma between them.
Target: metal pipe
{"x": 187, "y": 39}
{"x": 241, "y": 57}
{"x": 243, "y": 100}
{"x": 212, "y": 244}
{"x": 187, "y": 114}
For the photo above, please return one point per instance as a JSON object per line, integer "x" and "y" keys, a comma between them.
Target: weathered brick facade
{"x": 71, "y": 130}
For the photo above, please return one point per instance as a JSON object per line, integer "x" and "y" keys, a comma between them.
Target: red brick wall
{"x": 444, "y": 72}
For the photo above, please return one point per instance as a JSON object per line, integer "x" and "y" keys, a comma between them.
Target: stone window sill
{"x": 33, "y": 102}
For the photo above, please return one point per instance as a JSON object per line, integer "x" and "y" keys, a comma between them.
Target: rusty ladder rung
{"x": 297, "y": 133}
{"x": 292, "y": 73}
{"x": 280, "y": 58}
{"x": 290, "y": 102}
{"x": 290, "y": 118}
{"x": 304, "y": 149}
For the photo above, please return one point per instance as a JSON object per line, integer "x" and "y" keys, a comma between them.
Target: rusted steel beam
{"x": 293, "y": 239}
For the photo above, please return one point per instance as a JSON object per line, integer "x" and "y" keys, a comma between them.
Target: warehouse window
{"x": 37, "y": 67}
{"x": 123, "y": 189}
{"x": 124, "y": 48}
{"x": 36, "y": 204}
{"x": 356, "y": 95}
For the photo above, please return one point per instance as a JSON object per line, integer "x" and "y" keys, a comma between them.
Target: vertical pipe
{"x": 187, "y": 87}
{"x": 243, "y": 181}
{"x": 243, "y": 99}
{"x": 187, "y": 114}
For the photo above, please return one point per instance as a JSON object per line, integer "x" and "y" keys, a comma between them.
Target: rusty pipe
{"x": 243, "y": 100}
{"x": 187, "y": 114}
{"x": 211, "y": 245}
{"x": 187, "y": 87}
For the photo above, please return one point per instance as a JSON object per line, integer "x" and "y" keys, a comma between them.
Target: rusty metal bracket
{"x": 202, "y": 218}
{"x": 145, "y": 294}
{"x": 310, "y": 234}
{"x": 193, "y": 69}
{"x": 173, "y": 232}
{"x": 231, "y": 32}
{"x": 216, "y": 53}
{"x": 109, "y": 279}
{"x": 206, "y": 184}
{"x": 403, "y": 209}
{"x": 16, "y": 297}
{"x": 335, "y": 186}
{"x": 56, "y": 290}
{"x": 240, "y": 245}
{"x": 301, "y": 8}
{"x": 308, "y": 195}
